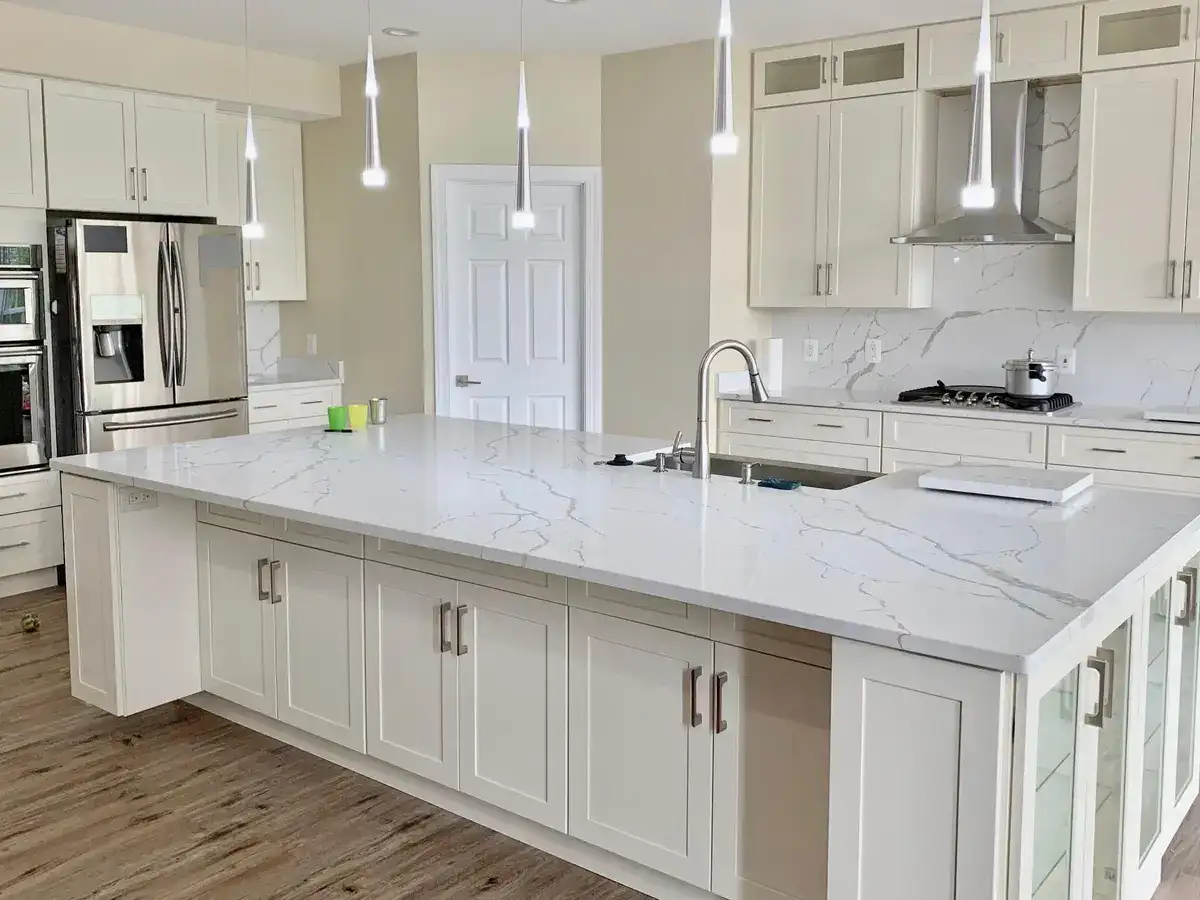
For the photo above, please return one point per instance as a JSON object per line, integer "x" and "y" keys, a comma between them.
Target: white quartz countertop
{"x": 1125, "y": 418}
{"x": 1002, "y": 584}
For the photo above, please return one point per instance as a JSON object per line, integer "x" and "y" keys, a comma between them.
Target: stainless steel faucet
{"x": 701, "y": 464}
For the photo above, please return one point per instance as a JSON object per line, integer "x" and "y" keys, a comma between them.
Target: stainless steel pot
{"x": 1030, "y": 377}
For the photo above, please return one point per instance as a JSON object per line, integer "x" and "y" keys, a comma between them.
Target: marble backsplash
{"x": 994, "y": 303}
{"x": 263, "y": 344}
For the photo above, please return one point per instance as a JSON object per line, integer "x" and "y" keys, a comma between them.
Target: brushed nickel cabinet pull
{"x": 459, "y": 615}
{"x": 444, "y": 627}
{"x": 1000, "y": 47}
{"x": 248, "y": 283}
{"x": 835, "y": 68}
{"x": 1188, "y": 576}
{"x": 1108, "y": 450}
{"x": 258, "y": 276}
{"x": 1187, "y": 22}
{"x": 719, "y": 682}
{"x": 828, "y": 279}
{"x": 263, "y": 593}
{"x": 1172, "y": 267}
{"x": 16, "y": 496}
{"x": 1187, "y": 279}
{"x": 15, "y": 546}
{"x": 145, "y": 185}
{"x": 824, "y": 77}
{"x": 818, "y": 267}
{"x": 132, "y": 183}
{"x": 694, "y": 673}
{"x": 828, "y": 425}
{"x": 276, "y": 596}
{"x": 764, "y": 421}
{"x": 1101, "y": 667}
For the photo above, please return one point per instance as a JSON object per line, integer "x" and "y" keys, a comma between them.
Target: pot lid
{"x": 1024, "y": 362}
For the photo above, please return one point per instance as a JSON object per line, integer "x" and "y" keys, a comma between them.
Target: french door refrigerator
{"x": 149, "y": 330}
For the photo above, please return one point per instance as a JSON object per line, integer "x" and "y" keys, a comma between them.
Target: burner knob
{"x": 960, "y": 397}
{"x": 972, "y": 399}
{"x": 947, "y": 399}
{"x": 994, "y": 401}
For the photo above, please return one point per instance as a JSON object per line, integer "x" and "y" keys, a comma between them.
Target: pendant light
{"x": 724, "y": 140}
{"x": 253, "y": 229}
{"x": 979, "y": 192}
{"x": 522, "y": 217}
{"x": 374, "y": 175}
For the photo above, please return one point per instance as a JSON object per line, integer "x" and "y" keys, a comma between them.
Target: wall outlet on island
{"x": 137, "y": 498}
{"x": 1066, "y": 360}
{"x": 874, "y": 351}
{"x": 312, "y": 344}
{"x": 812, "y": 350}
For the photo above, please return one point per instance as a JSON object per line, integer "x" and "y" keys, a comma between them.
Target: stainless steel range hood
{"x": 1018, "y": 125}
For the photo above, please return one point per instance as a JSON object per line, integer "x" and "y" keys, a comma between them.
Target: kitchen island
{"x": 687, "y": 686}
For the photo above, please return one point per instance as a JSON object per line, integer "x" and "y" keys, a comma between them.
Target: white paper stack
{"x": 1043, "y": 485}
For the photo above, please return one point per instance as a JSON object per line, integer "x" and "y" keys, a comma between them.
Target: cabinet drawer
{"x": 513, "y": 579}
{"x": 1124, "y": 451}
{"x": 304, "y": 403}
{"x": 1142, "y": 481}
{"x": 22, "y": 492}
{"x": 635, "y": 607}
{"x": 770, "y": 637}
{"x": 810, "y": 422}
{"x": 30, "y": 541}
{"x": 903, "y": 460}
{"x": 1001, "y": 441}
{"x": 237, "y": 519}
{"x": 817, "y": 453}
{"x": 317, "y": 537}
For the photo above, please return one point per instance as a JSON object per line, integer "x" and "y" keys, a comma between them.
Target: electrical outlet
{"x": 138, "y": 498}
{"x": 874, "y": 350}
{"x": 312, "y": 345}
{"x": 812, "y": 350}
{"x": 1067, "y": 359}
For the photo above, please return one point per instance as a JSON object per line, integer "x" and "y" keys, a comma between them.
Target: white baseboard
{"x": 563, "y": 846}
{"x": 28, "y": 581}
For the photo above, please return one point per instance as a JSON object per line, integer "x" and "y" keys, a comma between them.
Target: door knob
{"x": 464, "y": 381}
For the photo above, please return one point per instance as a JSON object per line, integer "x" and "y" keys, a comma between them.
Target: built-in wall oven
{"x": 26, "y": 436}
{"x": 20, "y": 293}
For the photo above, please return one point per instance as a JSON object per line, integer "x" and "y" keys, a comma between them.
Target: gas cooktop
{"x": 985, "y": 397}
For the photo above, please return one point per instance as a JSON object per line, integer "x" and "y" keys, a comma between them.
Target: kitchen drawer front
{"x": 816, "y": 453}
{"x": 513, "y": 579}
{"x": 636, "y": 607}
{"x": 30, "y": 541}
{"x": 1001, "y": 441}
{"x": 303, "y": 403}
{"x": 1169, "y": 484}
{"x": 808, "y": 422}
{"x": 19, "y": 493}
{"x": 1125, "y": 451}
{"x": 238, "y": 519}
{"x": 810, "y": 647}
{"x": 320, "y": 538}
{"x": 902, "y": 460}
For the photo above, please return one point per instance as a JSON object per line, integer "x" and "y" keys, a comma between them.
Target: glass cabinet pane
{"x": 790, "y": 76}
{"x": 1154, "y": 740}
{"x": 1189, "y": 652}
{"x": 1055, "y": 788}
{"x": 873, "y": 64}
{"x": 1110, "y": 764}
{"x": 1158, "y": 28}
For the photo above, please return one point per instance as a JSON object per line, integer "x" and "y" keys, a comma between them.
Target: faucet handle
{"x": 678, "y": 445}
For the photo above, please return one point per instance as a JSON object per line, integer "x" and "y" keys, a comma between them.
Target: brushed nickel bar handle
{"x": 764, "y": 421}
{"x": 818, "y": 285}
{"x": 1172, "y": 266}
{"x": 459, "y": 615}
{"x": 835, "y": 68}
{"x": 828, "y": 425}
{"x": 1187, "y": 279}
{"x": 1187, "y": 22}
{"x": 1000, "y": 47}
{"x": 1188, "y": 576}
{"x": 248, "y": 282}
{"x": 1101, "y": 667}
{"x": 264, "y": 565}
{"x": 132, "y": 182}
{"x": 828, "y": 279}
{"x": 257, "y": 276}
{"x": 719, "y": 681}
{"x": 694, "y": 673}
{"x": 15, "y": 496}
{"x": 276, "y": 597}
{"x": 145, "y": 185}
{"x": 444, "y": 627}
{"x": 1108, "y": 450}
{"x": 824, "y": 77}
{"x": 14, "y": 546}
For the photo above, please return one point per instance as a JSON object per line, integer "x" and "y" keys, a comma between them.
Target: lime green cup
{"x": 358, "y": 416}
{"x": 339, "y": 418}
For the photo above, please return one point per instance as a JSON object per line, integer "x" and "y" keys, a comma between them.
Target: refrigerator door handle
{"x": 180, "y": 291}
{"x": 176, "y": 420}
{"x": 166, "y": 336}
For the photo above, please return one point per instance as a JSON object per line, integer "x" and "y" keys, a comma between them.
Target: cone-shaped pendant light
{"x": 374, "y": 175}
{"x": 522, "y": 217}
{"x": 253, "y": 229}
{"x": 979, "y": 192}
{"x": 724, "y": 140}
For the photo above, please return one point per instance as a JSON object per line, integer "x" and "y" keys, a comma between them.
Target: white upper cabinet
{"x": 1131, "y": 217}
{"x": 1190, "y": 276}
{"x": 91, "y": 148}
{"x": 279, "y": 258}
{"x": 231, "y": 144}
{"x": 22, "y": 149}
{"x": 789, "y": 206}
{"x": 1120, "y": 33}
{"x": 1040, "y": 44}
{"x": 110, "y": 150}
{"x": 790, "y": 75}
{"x": 948, "y": 55}
{"x": 875, "y": 64}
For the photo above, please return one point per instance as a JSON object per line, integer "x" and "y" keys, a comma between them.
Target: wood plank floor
{"x": 179, "y": 804}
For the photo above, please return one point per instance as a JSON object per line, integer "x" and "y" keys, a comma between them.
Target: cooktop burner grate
{"x": 985, "y": 396}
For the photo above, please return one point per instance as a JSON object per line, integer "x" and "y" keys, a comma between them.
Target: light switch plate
{"x": 312, "y": 344}
{"x": 874, "y": 351}
{"x": 1067, "y": 359}
{"x": 812, "y": 350}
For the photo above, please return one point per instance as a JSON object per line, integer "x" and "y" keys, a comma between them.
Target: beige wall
{"x": 75, "y": 48}
{"x": 364, "y": 247}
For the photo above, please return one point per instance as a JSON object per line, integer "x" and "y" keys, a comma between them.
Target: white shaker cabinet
{"x": 1121, "y": 33}
{"x": 1134, "y": 149}
{"x": 1043, "y": 43}
{"x": 91, "y": 148}
{"x": 947, "y": 54}
{"x": 875, "y": 64}
{"x": 176, "y": 155}
{"x": 641, "y": 752}
{"x": 788, "y": 75}
{"x": 770, "y": 776}
{"x": 22, "y": 149}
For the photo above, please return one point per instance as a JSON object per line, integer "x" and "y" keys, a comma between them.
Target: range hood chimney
{"x": 1017, "y": 171}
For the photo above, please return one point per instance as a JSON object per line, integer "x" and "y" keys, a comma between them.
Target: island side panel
{"x": 920, "y": 767}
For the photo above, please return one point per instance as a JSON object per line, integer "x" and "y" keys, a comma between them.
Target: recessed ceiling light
{"x": 400, "y": 32}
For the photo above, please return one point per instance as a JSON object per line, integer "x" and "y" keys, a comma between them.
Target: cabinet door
{"x": 1190, "y": 279}
{"x": 512, "y": 696}
{"x": 1118, "y": 33}
{"x": 640, "y": 751}
{"x": 770, "y": 777}
{"x": 903, "y": 460}
{"x": 91, "y": 148}
{"x": 23, "y": 150}
{"x": 1109, "y": 729}
{"x": 1132, "y": 206}
{"x": 1040, "y": 44}
{"x": 319, "y": 643}
{"x": 279, "y": 257}
{"x": 412, "y": 690}
{"x": 790, "y": 206}
{"x": 231, "y": 164}
{"x": 237, "y": 619}
{"x": 875, "y": 64}
{"x": 1185, "y": 698}
{"x": 177, "y": 156}
{"x": 792, "y": 75}
{"x": 819, "y": 453}
{"x": 948, "y": 54}
{"x": 872, "y": 156}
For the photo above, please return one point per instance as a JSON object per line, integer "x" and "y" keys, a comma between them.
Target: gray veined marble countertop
{"x": 996, "y": 583}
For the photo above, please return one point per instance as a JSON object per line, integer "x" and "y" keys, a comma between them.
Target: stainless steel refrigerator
{"x": 148, "y": 325}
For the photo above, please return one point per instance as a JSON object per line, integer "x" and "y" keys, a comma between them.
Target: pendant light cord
{"x": 522, "y": 29}
{"x": 246, "y": 45}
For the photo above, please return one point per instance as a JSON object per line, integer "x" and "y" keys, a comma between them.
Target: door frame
{"x": 588, "y": 179}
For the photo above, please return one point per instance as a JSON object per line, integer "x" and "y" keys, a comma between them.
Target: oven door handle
{"x": 177, "y": 420}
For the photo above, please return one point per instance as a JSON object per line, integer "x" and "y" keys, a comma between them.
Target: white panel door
{"x": 1121, "y": 33}
{"x": 231, "y": 131}
{"x": 1043, "y": 43}
{"x": 279, "y": 257}
{"x": 770, "y": 777}
{"x": 1134, "y": 148}
{"x": 515, "y": 301}
{"x": 177, "y": 155}
{"x": 319, "y": 643}
{"x": 789, "y": 206}
{"x": 947, "y": 55}
{"x": 512, "y": 695}
{"x": 23, "y": 148}
{"x": 237, "y": 618}
{"x": 872, "y": 149}
{"x": 412, "y": 672}
{"x": 1190, "y": 282}
{"x": 640, "y": 751}
{"x": 91, "y": 148}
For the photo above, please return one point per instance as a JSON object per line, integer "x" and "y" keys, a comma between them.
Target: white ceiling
{"x": 334, "y": 30}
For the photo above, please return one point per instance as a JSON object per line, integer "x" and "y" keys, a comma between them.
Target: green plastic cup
{"x": 339, "y": 418}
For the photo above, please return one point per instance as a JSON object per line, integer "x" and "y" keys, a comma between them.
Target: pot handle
{"x": 1037, "y": 372}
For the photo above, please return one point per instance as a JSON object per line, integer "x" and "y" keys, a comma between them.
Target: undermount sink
{"x": 826, "y": 478}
